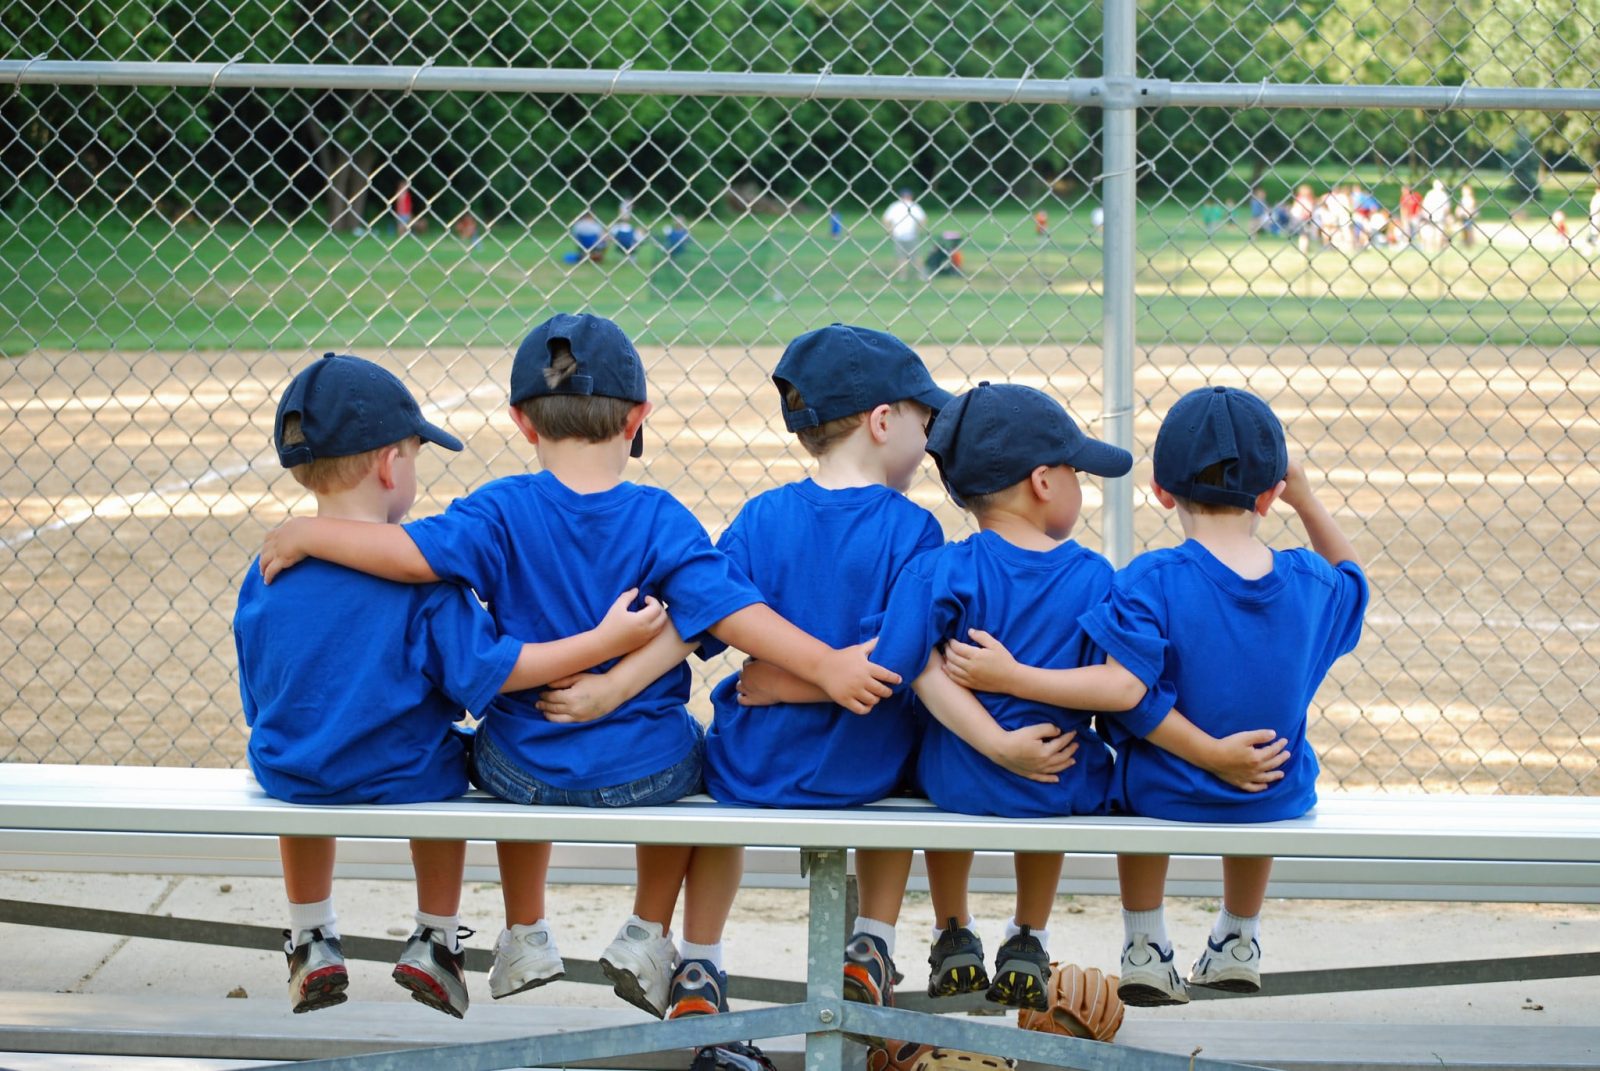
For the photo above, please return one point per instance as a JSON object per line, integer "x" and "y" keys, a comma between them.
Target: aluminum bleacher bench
{"x": 1500, "y": 847}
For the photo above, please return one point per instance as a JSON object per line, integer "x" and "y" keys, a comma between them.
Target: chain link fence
{"x": 1382, "y": 217}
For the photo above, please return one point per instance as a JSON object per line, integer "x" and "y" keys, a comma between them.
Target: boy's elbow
{"x": 1130, "y": 691}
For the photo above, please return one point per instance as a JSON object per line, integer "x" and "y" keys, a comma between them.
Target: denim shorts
{"x": 493, "y": 772}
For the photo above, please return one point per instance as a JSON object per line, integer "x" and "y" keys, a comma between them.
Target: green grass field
{"x": 86, "y": 284}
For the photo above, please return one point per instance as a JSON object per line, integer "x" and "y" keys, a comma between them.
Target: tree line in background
{"x": 285, "y": 153}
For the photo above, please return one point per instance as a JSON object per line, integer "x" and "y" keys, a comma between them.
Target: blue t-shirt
{"x": 1030, "y": 601}
{"x": 1239, "y": 654}
{"x": 549, "y": 562}
{"x": 350, "y": 683}
{"x": 825, "y": 560}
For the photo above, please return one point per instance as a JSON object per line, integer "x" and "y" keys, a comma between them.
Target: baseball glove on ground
{"x": 1083, "y": 1003}
{"x": 910, "y": 1056}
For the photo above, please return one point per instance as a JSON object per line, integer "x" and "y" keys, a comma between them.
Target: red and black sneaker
{"x": 317, "y": 978}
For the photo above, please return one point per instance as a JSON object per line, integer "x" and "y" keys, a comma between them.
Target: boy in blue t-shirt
{"x": 350, "y": 684}
{"x": 1011, "y": 455}
{"x": 1199, "y": 618}
{"x": 823, "y": 552}
{"x": 545, "y": 552}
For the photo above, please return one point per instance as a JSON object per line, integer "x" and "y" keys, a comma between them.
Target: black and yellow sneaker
{"x": 1021, "y": 973}
{"x": 955, "y": 963}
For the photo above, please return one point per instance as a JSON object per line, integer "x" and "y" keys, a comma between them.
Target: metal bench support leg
{"x": 825, "y": 958}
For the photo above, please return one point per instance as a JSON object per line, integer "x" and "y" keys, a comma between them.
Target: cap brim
{"x": 935, "y": 398}
{"x": 432, "y": 433}
{"x": 1101, "y": 459}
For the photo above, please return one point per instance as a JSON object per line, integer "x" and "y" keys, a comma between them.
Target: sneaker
{"x": 525, "y": 958}
{"x": 1233, "y": 966}
{"x": 317, "y": 978}
{"x": 432, "y": 972}
{"x": 868, "y": 971}
{"x": 1021, "y": 973}
{"x": 698, "y": 988}
{"x": 956, "y": 963}
{"x": 1149, "y": 980}
{"x": 639, "y": 965}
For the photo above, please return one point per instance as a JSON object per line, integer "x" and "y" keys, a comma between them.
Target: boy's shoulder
{"x": 874, "y": 503}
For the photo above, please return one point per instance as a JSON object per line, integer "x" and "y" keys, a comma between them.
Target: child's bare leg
{"x": 662, "y": 869}
{"x": 523, "y": 868}
{"x": 709, "y": 889}
{"x": 948, "y": 875}
{"x": 307, "y": 868}
{"x": 1022, "y": 965}
{"x": 1149, "y": 977}
{"x": 881, "y": 877}
{"x": 1231, "y": 960}
{"x": 1038, "y": 876}
{"x": 317, "y": 976}
{"x": 1244, "y": 884}
{"x": 956, "y": 960}
{"x": 439, "y": 865}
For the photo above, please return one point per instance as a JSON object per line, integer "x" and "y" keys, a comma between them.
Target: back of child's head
{"x": 991, "y": 439}
{"x": 578, "y": 377}
{"x": 828, "y": 379}
{"x": 337, "y": 413}
{"x": 1218, "y": 449}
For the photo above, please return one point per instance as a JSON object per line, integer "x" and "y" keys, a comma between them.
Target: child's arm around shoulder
{"x": 1248, "y": 760}
{"x": 1037, "y": 752}
{"x": 620, "y": 632}
{"x": 384, "y": 550}
{"x": 986, "y": 666}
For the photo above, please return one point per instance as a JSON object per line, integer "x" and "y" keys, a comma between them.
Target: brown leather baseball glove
{"x": 910, "y": 1056}
{"x": 1083, "y": 1003}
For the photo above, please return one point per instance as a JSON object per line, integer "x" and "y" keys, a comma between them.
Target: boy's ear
{"x": 1039, "y": 483}
{"x": 878, "y": 423}
{"x": 385, "y": 466}
{"x": 1266, "y": 498}
{"x": 1162, "y": 495}
{"x": 635, "y": 419}
{"x": 524, "y": 425}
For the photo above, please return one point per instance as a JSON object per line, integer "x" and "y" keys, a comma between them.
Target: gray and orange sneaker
{"x": 698, "y": 988}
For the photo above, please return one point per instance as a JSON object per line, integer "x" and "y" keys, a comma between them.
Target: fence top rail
{"x": 1112, "y": 93}
{"x": 1344, "y": 826}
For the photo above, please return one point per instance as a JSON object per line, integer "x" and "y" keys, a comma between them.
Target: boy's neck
{"x": 1019, "y": 527}
{"x": 853, "y": 462}
{"x": 585, "y": 467}
{"x": 1231, "y": 539}
{"x": 356, "y": 504}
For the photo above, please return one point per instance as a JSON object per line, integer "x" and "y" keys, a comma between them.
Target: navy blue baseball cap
{"x": 1224, "y": 425}
{"x": 608, "y": 365}
{"x": 842, "y": 370}
{"x": 346, "y": 406}
{"x": 995, "y": 435}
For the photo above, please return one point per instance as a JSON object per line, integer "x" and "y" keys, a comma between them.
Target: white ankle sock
{"x": 710, "y": 953}
{"x": 317, "y": 916}
{"x": 1153, "y": 924}
{"x": 445, "y": 925}
{"x": 1012, "y": 930}
{"x": 883, "y": 931}
{"x": 1228, "y": 924}
{"x": 969, "y": 924}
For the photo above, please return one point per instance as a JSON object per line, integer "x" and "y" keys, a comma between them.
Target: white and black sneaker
{"x": 432, "y": 973}
{"x": 1148, "y": 978}
{"x": 1233, "y": 966}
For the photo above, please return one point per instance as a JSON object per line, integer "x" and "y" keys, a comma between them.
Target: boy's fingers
{"x": 958, "y": 649}
{"x": 888, "y": 676}
{"x": 1043, "y": 778}
{"x": 981, "y": 638}
{"x": 1259, "y": 737}
{"x": 866, "y": 648}
{"x": 1274, "y": 761}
